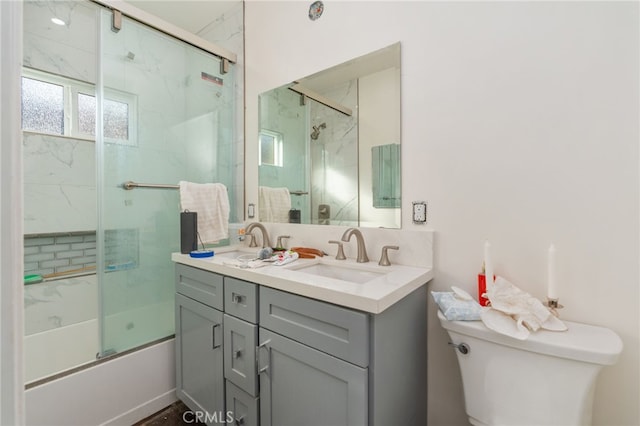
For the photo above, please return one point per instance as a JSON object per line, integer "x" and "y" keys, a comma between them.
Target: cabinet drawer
{"x": 205, "y": 287}
{"x": 241, "y": 299}
{"x": 241, "y": 406}
{"x": 240, "y": 353}
{"x": 333, "y": 329}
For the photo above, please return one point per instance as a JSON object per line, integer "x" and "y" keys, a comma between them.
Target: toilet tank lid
{"x": 582, "y": 342}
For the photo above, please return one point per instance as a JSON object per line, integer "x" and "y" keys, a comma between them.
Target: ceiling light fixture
{"x": 58, "y": 21}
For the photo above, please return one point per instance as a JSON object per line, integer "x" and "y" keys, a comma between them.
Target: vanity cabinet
{"x": 272, "y": 358}
{"x": 215, "y": 351}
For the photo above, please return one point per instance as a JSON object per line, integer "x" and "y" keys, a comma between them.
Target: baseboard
{"x": 143, "y": 410}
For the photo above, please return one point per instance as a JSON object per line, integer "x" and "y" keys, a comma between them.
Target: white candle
{"x": 552, "y": 285}
{"x": 488, "y": 266}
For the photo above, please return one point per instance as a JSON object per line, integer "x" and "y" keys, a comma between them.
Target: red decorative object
{"x": 482, "y": 289}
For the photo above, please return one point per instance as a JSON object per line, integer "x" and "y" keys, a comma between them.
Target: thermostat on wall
{"x": 420, "y": 212}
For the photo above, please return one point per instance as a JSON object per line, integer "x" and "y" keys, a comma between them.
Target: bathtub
{"x": 120, "y": 391}
{"x": 62, "y": 334}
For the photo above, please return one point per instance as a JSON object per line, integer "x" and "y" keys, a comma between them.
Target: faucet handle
{"x": 340, "y": 255}
{"x": 279, "y": 244}
{"x": 384, "y": 258}
{"x": 252, "y": 240}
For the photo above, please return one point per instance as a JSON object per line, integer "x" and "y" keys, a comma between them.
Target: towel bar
{"x": 129, "y": 185}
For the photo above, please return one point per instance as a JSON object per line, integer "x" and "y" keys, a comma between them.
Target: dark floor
{"x": 170, "y": 416}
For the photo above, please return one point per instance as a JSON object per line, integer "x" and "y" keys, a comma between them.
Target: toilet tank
{"x": 548, "y": 379}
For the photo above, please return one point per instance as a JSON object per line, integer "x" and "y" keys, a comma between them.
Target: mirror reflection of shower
{"x": 316, "y": 131}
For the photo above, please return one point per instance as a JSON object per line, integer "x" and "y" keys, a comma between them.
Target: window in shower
{"x": 42, "y": 106}
{"x": 271, "y": 148}
{"x": 61, "y": 106}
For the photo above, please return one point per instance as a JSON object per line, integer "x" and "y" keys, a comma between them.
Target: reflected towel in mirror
{"x": 274, "y": 204}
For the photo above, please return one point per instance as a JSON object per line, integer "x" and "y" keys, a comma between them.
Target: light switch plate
{"x": 420, "y": 212}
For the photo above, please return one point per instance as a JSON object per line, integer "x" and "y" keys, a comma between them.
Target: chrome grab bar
{"x": 129, "y": 185}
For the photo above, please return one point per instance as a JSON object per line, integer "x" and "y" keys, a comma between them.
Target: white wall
{"x": 520, "y": 125}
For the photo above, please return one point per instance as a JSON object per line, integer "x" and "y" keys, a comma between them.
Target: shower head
{"x": 316, "y": 130}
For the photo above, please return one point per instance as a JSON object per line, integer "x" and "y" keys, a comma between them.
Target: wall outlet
{"x": 420, "y": 212}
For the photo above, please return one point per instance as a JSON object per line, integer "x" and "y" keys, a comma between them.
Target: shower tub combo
{"x": 123, "y": 102}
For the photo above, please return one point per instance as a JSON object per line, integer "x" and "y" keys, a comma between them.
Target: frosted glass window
{"x": 271, "y": 148}
{"x": 116, "y": 117}
{"x": 42, "y": 106}
{"x": 58, "y": 105}
{"x": 116, "y": 120}
{"x": 86, "y": 114}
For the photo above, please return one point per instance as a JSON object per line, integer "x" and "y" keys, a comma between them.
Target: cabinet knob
{"x": 237, "y": 353}
{"x": 236, "y": 298}
{"x": 239, "y": 421}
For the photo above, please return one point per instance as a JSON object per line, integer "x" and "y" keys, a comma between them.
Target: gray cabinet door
{"x": 240, "y": 353}
{"x": 199, "y": 357}
{"x": 300, "y": 385}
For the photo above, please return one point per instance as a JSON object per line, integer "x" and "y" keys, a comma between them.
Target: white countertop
{"x": 374, "y": 296}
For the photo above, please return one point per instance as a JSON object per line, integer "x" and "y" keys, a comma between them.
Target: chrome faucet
{"x": 362, "y": 250}
{"x": 265, "y": 236}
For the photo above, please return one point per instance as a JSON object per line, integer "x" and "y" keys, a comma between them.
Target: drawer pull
{"x": 236, "y": 298}
{"x": 213, "y": 335}
{"x": 239, "y": 421}
{"x": 264, "y": 369}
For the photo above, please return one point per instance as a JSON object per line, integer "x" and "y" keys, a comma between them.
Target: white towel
{"x": 211, "y": 202}
{"x": 516, "y": 313}
{"x": 274, "y": 204}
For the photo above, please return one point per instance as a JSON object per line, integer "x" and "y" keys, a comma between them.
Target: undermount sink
{"x": 231, "y": 254}
{"x": 354, "y": 275}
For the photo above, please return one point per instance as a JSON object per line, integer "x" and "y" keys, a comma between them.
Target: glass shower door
{"x": 167, "y": 114}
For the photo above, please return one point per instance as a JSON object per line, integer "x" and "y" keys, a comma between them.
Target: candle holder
{"x": 553, "y": 306}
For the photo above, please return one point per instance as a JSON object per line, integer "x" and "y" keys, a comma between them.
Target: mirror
{"x": 329, "y": 145}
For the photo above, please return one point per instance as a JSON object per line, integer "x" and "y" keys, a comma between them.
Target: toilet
{"x": 548, "y": 379}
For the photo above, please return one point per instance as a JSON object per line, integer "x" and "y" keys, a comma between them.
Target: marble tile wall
{"x": 67, "y": 50}
{"x": 59, "y": 303}
{"x": 59, "y": 184}
{"x": 227, "y": 30}
{"x": 334, "y": 158}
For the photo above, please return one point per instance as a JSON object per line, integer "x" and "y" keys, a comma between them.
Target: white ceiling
{"x": 192, "y": 16}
